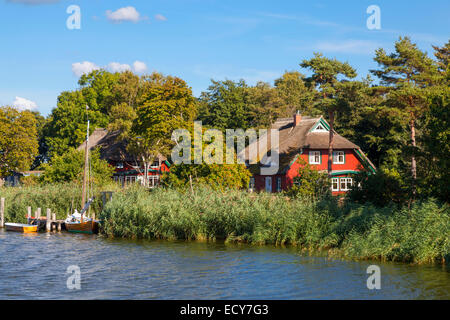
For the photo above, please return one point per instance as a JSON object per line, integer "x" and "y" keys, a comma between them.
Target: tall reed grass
{"x": 421, "y": 234}
{"x": 60, "y": 198}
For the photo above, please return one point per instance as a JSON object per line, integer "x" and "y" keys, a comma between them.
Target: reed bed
{"x": 420, "y": 234}
{"x": 58, "y": 197}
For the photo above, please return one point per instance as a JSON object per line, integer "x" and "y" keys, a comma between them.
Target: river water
{"x": 35, "y": 267}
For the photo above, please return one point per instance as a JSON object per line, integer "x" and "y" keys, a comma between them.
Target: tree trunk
{"x": 330, "y": 144}
{"x": 146, "y": 165}
{"x": 413, "y": 158}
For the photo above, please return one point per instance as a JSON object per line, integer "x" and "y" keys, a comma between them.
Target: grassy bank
{"x": 59, "y": 198}
{"x": 419, "y": 235}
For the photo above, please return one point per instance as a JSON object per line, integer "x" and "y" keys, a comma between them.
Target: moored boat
{"x": 19, "y": 227}
{"x": 76, "y": 223}
{"x": 88, "y": 227}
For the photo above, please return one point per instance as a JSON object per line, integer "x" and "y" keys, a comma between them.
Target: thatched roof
{"x": 111, "y": 147}
{"x": 292, "y": 139}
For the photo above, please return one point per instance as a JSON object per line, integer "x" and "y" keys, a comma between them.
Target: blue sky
{"x": 196, "y": 39}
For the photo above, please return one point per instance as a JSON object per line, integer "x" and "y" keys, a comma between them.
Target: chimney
{"x": 297, "y": 118}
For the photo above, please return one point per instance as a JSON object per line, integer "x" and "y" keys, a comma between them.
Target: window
{"x": 346, "y": 184}
{"x": 269, "y": 184}
{"x": 119, "y": 165}
{"x": 335, "y": 184}
{"x": 315, "y": 157}
{"x": 278, "y": 184}
{"x": 338, "y": 157}
{"x": 319, "y": 128}
{"x": 155, "y": 164}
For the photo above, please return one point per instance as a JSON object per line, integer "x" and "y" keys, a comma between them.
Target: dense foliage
{"x": 60, "y": 198}
{"x": 18, "y": 140}
{"x": 70, "y": 167}
{"x": 400, "y": 119}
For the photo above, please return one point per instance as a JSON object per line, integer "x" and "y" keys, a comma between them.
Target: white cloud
{"x": 80, "y": 68}
{"x": 160, "y": 17}
{"x": 24, "y": 104}
{"x": 139, "y": 67}
{"x": 123, "y": 14}
{"x": 117, "y": 67}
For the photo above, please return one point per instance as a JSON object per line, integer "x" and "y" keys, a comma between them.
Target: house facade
{"x": 128, "y": 169}
{"x": 307, "y": 138}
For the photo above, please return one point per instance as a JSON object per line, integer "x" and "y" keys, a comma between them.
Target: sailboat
{"x": 76, "y": 222}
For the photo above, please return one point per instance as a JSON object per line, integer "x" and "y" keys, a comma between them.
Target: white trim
{"x": 320, "y": 128}
{"x": 313, "y": 155}
{"x": 333, "y": 180}
{"x": 348, "y": 182}
{"x": 337, "y": 155}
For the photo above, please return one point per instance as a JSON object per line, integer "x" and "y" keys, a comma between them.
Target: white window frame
{"x": 348, "y": 183}
{"x": 119, "y": 165}
{"x": 320, "y": 128}
{"x": 313, "y": 155}
{"x": 333, "y": 180}
{"x": 337, "y": 155}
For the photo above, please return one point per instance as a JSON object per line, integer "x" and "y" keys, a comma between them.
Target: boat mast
{"x": 86, "y": 161}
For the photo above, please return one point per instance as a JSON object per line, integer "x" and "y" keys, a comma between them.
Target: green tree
{"x": 296, "y": 95}
{"x": 407, "y": 73}
{"x": 309, "y": 183}
{"x": 70, "y": 167}
{"x": 436, "y": 146}
{"x": 224, "y": 105}
{"x": 167, "y": 104}
{"x": 18, "y": 143}
{"x": 325, "y": 73}
{"x": 216, "y": 176}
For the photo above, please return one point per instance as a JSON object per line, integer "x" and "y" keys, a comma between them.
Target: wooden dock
{"x": 46, "y": 223}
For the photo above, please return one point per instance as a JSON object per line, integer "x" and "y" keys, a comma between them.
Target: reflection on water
{"x": 34, "y": 267}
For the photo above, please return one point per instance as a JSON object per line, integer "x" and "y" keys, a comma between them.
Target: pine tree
{"x": 325, "y": 75}
{"x": 406, "y": 74}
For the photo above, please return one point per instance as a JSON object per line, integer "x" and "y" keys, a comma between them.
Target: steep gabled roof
{"x": 111, "y": 147}
{"x": 293, "y": 139}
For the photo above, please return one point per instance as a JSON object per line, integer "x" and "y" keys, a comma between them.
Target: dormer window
{"x": 155, "y": 164}
{"x": 320, "y": 128}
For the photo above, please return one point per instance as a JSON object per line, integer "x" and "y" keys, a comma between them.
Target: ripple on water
{"x": 34, "y": 267}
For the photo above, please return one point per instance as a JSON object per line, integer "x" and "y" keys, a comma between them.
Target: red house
{"x": 307, "y": 138}
{"x": 128, "y": 169}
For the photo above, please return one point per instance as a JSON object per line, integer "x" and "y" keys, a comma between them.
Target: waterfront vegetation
{"x": 419, "y": 234}
{"x": 60, "y": 198}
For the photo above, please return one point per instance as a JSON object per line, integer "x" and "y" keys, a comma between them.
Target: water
{"x": 34, "y": 267}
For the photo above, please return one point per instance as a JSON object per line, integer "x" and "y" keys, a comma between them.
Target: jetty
{"x": 45, "y": 223}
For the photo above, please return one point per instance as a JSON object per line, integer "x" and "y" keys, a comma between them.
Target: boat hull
{"x": 24, "y": 228}
{"x": 88, "y": 227}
